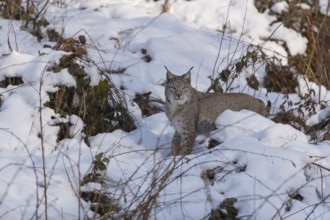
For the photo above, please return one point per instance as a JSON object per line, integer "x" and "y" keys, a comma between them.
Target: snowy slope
{"x": 271, "y": 169}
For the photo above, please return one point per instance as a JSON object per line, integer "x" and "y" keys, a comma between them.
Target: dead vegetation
{"x": 90, "y": 103}
{"x": 14, "y": 81}
{"x": 315, "y": 27}
{"x": 314, "y": 65}
{"x": 280, "y": 79}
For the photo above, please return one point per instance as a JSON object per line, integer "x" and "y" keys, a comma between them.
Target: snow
{"x": 294, "y": 41}
{"x": 280, "y": 7}
{"x": 304, "y": 6}
{"x": 324, "y": 7}
{"x": 261, "y": 163}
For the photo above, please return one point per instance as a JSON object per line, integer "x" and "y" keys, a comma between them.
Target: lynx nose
{"x": 178, "y": 94}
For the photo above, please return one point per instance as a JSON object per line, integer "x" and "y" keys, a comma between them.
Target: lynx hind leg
{"x": 183, "y": 144}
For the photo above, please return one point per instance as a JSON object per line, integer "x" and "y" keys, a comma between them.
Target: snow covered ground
{"x": 270, "y": 168}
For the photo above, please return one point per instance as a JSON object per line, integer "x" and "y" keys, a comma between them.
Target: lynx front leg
{"x": 182, "y": 144}
{"x": 176, "y": 144}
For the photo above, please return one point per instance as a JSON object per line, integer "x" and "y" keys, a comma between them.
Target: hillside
{"x": 82, "y": 125}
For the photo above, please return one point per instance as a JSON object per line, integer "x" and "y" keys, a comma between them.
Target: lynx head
{"x": 177, "y": 88}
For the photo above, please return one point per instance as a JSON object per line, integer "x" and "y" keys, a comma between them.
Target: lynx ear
{"x": 169, "y": 75}
{"x": 187, "y": 76}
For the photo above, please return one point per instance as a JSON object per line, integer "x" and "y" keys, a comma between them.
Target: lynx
{"x": 192, "y": 112}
